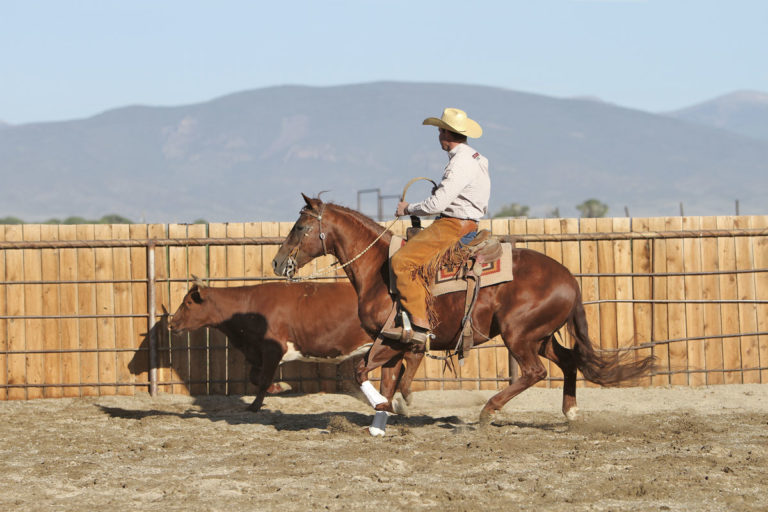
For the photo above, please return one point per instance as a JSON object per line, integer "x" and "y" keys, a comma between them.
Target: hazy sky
{"x": 67, "y": 59}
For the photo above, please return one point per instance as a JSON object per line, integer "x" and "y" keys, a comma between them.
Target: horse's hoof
{"x": 408, "y": 399}
{"x": 572, "y": 414}
{"x": 376, "y": 432}
{"x": 278, "y": 387}
{"x": 486, "y": 417}
{"x": 379, "y": 426}
{"x": 400, "y": 406}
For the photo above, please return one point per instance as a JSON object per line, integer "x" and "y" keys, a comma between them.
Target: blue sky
{"x": 73, "y": 59}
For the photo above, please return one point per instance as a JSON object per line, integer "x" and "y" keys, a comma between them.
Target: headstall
{"x": 291, "y": 263}
{"x": 291, "y": 268}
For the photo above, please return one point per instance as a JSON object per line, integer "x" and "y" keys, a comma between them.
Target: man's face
{"x": 445, "y": 139}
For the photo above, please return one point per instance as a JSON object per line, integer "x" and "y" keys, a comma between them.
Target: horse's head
{"x": 305, "y": 242}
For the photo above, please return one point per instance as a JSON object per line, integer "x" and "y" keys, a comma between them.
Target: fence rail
{"x": 83, "y": 309}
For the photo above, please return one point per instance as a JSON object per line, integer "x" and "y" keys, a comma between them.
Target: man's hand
{"x": 401, "y": 206}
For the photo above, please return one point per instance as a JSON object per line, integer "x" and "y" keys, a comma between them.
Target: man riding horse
{"x": 459, "y": 201}
{"x": 527, "y": 312}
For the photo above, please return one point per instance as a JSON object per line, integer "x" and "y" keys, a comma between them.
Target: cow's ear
{"x": 195, "y": 294}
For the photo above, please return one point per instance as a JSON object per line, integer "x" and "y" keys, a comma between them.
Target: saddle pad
{"x": 453, "y": 280}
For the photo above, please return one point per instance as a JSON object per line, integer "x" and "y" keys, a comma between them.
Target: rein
{"x": 335, "y": 265}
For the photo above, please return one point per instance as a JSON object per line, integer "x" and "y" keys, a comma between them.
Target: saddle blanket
{"x": 449, "y": 280}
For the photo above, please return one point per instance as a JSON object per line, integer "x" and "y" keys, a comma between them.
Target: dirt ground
{"x": 631, "y": 449}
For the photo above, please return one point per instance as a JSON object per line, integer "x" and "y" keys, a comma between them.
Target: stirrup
{"x": 407, "y": 334}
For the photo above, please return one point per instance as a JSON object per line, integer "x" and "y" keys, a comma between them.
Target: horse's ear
{"x": 307, "y": 200}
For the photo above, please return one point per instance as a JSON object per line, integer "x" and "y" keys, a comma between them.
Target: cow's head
{"x": 195, "y": 311}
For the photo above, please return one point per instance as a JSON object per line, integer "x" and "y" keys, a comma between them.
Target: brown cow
{"x": 278, "y": 322}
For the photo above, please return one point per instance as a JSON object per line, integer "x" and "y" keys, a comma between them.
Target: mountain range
{"x": 248, "y": 155}
{"x": 744, "y": 112}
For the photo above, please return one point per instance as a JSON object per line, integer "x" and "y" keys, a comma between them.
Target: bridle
{"x": 319, "y": 217}
{"x": 291, "y": 266}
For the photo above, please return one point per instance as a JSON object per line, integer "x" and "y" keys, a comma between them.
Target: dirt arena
{"x": 632, "y": 449}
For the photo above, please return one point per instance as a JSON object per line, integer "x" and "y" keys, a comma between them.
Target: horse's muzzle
{"x": 285, "y": 268}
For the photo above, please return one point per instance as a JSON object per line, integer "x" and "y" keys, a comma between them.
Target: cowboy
{"x": 459, "y": 200}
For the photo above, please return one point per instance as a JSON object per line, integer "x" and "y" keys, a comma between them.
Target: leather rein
{"x": 335, "y": 265}
{"x": 291, "y": 267}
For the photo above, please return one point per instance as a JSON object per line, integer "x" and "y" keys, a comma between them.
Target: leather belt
{"x": 457, "y": 218}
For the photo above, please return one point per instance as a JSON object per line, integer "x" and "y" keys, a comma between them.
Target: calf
{"x": 278, "y": 322}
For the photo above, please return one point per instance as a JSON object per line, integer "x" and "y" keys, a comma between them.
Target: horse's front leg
{"x": 391, "y": 374}
{"x": 412, "y": 363}
{"x": 378, "y": 356}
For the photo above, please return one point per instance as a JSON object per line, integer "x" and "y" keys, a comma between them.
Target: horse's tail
{"x": 603, "y": 369}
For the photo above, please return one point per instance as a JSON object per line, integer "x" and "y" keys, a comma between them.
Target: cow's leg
{"x": 254, "y": 357}
{"x": 271, "y": 354}
{"x": 257, "y": 366}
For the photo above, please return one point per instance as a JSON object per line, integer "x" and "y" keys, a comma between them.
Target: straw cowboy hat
{"x": 456, "y": 120}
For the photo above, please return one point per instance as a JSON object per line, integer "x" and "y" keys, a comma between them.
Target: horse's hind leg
{"x": 531, "y": 372}
{"x": 563, "y": 357}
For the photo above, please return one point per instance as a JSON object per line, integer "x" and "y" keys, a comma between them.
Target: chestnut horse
{"x": 527, "y": 312}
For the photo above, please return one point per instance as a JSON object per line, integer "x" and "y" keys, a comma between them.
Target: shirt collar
{"x": 456, "y": 149}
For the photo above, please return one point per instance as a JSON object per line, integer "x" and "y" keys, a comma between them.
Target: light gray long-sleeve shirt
{"x": 464, "y": 190}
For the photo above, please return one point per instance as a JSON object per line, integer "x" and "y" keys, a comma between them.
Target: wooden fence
{"x": 74, "y": 303}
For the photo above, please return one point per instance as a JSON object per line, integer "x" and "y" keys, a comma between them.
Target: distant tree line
{"x": 591, "y": 208}
{"x": 112, "y": 218}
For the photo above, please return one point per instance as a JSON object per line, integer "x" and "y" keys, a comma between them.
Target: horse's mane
{"x": 363, "y": 220}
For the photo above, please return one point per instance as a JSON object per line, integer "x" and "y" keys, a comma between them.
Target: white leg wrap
{"x": 373, "y": 396}
{"x": 379, "y": 426}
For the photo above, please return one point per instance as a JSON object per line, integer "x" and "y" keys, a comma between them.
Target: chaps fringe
{"x": 453, "y": 257}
